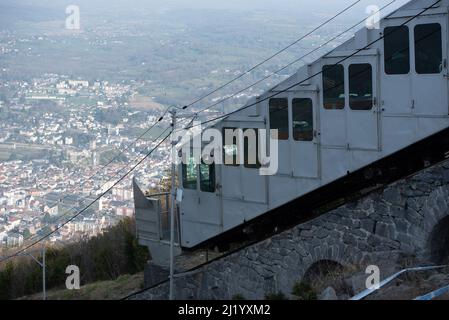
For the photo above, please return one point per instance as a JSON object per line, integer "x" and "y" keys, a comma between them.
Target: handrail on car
{"x": 163, "y": 212}
{"x": 157, "y": 194}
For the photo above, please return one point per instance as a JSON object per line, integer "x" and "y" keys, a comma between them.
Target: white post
{"x": 172, "y": 207}
{"x": 43, "y": 273}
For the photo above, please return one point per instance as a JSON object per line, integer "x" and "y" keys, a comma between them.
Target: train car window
{"x": 279, "y": 116}
{"x": 428, "y": 48}
{"x": 302, "y": 109}
{"x": 207, "y": 177}
{"x": 360, "y": 86}
{"x": 189, "y": 174}
{"x": 333, "y": 86}
{"x": 396, "y": 50}
{"x": 230, "y": 151}
{"x": 251, "y": 148}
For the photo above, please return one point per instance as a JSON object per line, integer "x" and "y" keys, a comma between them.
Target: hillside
{"x": 101, "y": 290}
{"x": 105, "y": 261}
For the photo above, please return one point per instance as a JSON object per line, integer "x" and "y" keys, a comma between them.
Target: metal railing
{"x": 163, "y": 200}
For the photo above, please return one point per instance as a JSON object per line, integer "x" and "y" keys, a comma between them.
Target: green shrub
{"x": 276, "y": 296}
{"x": 105, "y": 257}
{"x": 304, "y": 291}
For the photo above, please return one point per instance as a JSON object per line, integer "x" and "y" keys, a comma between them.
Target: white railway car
{"x": 354, "y": 112}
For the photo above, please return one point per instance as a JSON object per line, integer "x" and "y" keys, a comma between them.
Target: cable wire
{"x": 119, "y": 154}
{"x": 67, "y": 211}
{"x": 89, "y": 205}
{"x": 317, "y": 73}
{"x": 291, "y": 63}
{"x": 273, "y": 55}
{"x": 208, "y": 121}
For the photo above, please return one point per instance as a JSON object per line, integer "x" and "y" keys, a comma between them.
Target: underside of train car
{"x": 371, "y": 111}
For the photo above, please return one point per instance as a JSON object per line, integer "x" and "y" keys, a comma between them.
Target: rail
{"x": 163, "y": 208}
{"x": 386, "y": 281}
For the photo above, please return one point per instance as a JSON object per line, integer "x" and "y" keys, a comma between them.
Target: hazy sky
{"x": 292, "y": 6}
{"x": 263, "y": 24}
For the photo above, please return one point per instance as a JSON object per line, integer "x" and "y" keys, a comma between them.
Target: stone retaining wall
{"x": 378, "y": 229}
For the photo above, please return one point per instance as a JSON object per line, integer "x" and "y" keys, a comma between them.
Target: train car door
{"x": 362, "y": 112}
{"x": 190, "y": 201}
{"x": 429, "y": 59}
{"x": 244, "y": 190}
{"x": 253, "y": 183}
{"x": 209, "y": 204}
{"x": 200, "y": 207}
{"x": 332, "y": 115}
{"x": 304, "y": 142}
{"x": 395, "y": 66}
{"x": 278, "y": 119}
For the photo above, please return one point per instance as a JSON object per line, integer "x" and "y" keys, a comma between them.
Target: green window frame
{"x": 278, "y": 110}
{"x": 428, "y": 48}
{"x": 361, "y": 86}
{"x": 207, "y": 177}
{"x": 396, "y": 50}
{"x": 190, "y": 174}
{"x": 302, "y": 114}
{"x": 251, "y": 148}
{"x": 333, "y": 87}
{"x": 230, "y": 150}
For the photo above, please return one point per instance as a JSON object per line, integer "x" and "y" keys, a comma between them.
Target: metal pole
{"x": 43, "y": 273}
{"x": 172, "y": 207}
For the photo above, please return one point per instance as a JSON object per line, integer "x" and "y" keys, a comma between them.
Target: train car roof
{"x": 357, "y": 41}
